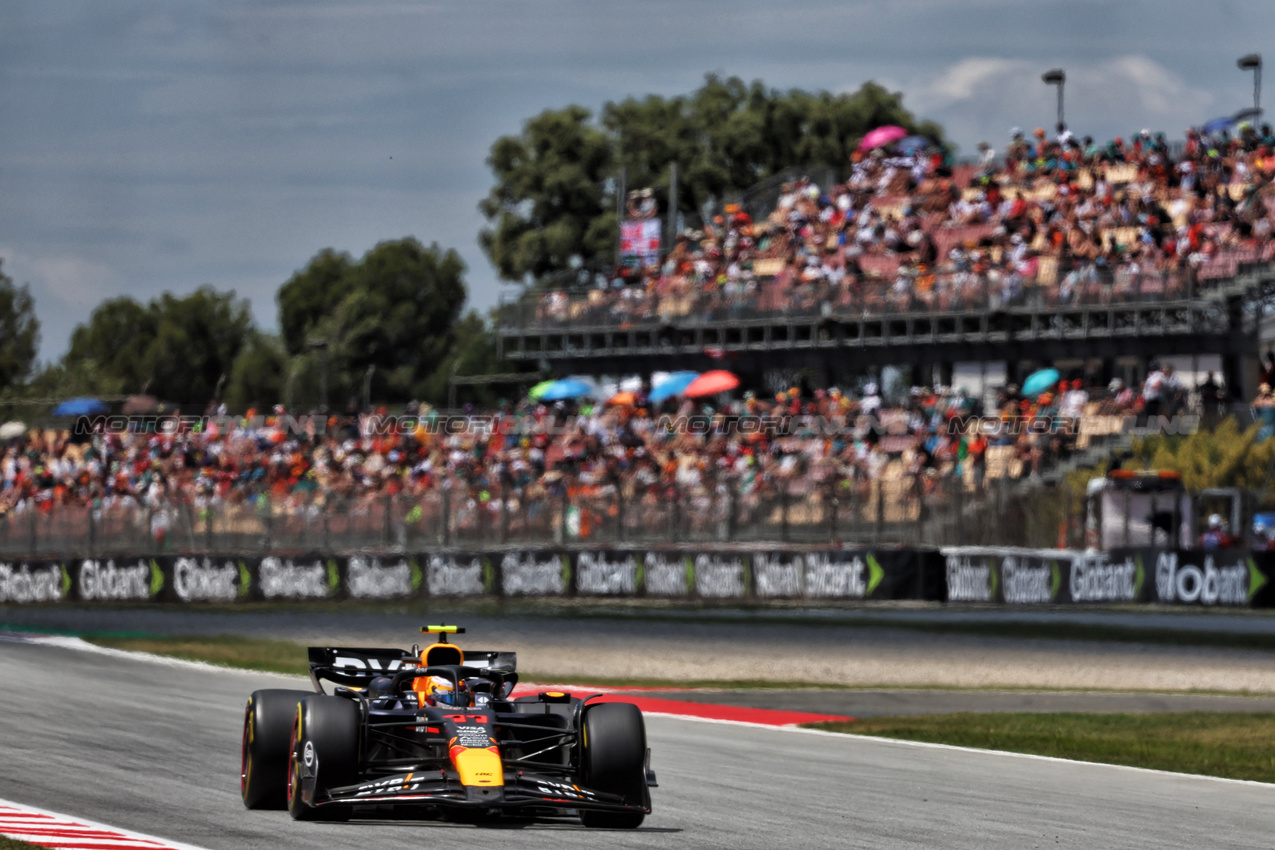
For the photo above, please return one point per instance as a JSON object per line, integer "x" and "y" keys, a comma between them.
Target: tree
{"x": 259, "y": 374}
{"x": 176, "y": 348}
{"x": 19, "y": 332}
{"x": 392, "y": 314}
{"x": 552, "y": 209}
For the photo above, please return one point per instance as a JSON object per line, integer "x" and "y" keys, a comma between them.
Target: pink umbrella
{"x": 711, "y": 383}
{"x": 882, "y": 136}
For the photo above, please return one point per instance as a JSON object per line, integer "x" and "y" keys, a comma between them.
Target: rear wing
{"x": 356, "y": 667}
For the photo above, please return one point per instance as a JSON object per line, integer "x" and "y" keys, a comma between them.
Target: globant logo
{"x": 968, "y": 580}
{"x": 282, "y": 579}
{"x": 204, "y": 581}
{"x": 21, "y": 584}
{"x": 602, "y": 573}
{"x": 1207, "y": 585}
{"x": 1093, "y": 579}
{"x": 1028, "y": 584}
{"x": 448, "y": 576}
{"x": 533, "y": 576}
{"x": 103, "y": 581}
{"x": 367, "y": 579}
{"x": 664, "y": 574}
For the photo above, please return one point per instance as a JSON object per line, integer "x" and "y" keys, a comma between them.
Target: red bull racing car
{"x": 439, "y": 731}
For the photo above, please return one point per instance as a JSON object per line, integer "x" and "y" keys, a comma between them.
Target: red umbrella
{"x": 711, "y": 383}
{"x": 882, "y": 136}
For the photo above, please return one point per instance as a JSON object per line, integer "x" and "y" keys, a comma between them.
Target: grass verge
{"x": 1231, "y": 745}
{"x": 7, "y": 843}
{"x": 269, "y": 656}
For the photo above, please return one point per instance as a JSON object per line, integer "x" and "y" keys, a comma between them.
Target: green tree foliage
{"x": 259, "y": 373}
{"x": 19, "y": 333}
{"x": 552, "y": 209}
{"x": 1225, "y": 457}
{"x": 392, "y": 313}
{"x": 176, "y": 348}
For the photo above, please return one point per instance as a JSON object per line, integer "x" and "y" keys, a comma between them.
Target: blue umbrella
{"x": 81, "y": 407}
{"x": 566, "y": 388}
{"x": 912, "y": 144}
{"x": 1039, "y": 381}
{"x": 673, "y": 385}
{"x": 1218, "y": 124}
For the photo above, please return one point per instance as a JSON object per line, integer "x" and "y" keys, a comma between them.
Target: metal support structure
{"x": 1056, "y": 77}
{"x": 1253, "y": 62}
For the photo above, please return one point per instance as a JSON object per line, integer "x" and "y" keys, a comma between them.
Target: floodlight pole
{"x": 1253, "y": 62}
{"x": 1056, "y": 77}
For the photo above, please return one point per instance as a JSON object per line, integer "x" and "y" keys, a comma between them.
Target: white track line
{"x": 52, "y": 829}
{"x": 85, "y": 646}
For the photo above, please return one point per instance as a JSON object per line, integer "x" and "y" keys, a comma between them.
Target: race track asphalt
{"x": 155, "y": 748}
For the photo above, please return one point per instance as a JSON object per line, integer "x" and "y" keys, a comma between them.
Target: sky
{"x": 151, "y": 146}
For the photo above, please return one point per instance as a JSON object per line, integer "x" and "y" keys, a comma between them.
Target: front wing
{"x": 437, "y": 789}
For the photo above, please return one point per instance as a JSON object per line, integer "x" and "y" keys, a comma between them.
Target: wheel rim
{"x": 245, "y": 758}
{"x": 293, "y": 778}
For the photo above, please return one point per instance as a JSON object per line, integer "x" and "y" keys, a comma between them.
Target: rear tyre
{"x": 613, "y": 761}
{"x": 267, "y": 725}
{"x": 326, "y": 731}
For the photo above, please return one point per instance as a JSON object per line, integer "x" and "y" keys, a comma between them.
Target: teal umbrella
{"x": 1039, "y": 381}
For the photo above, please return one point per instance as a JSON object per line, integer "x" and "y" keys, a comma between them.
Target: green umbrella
{"x": 539, "y": 389}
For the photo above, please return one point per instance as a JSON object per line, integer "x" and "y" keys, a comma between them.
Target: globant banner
{"x": 965, "y": 574}
{"x": 684, "y": 573}
{"x": 1125, "y": 575}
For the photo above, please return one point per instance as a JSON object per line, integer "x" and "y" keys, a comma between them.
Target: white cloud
{"x": 982, "y": 97}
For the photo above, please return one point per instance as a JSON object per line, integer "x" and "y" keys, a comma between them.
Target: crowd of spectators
{"x": 521, "y": 463}
{"x": 1055, "y": 220}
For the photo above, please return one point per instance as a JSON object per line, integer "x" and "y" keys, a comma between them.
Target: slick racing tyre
{"x": 324, "y": 745}
{"x": 267, "y": 725}
{"x": 614, "y": 738}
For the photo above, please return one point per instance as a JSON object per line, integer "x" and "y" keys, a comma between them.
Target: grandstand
{"x": 1105, "y": 257}
{"x": 1091, "y": 259}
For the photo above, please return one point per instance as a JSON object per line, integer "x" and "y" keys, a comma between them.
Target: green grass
{"x": 270, "y": 656}
{"x": 7, "y": 843}
{"x": 1232, "y": 745}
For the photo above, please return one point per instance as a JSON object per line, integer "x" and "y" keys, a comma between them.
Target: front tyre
{"x": 614, "y": 756}
{"x": 323, "y": 754}
{"x": 267, "y": 725}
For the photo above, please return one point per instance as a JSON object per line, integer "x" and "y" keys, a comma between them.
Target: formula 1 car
{"x": 438, "y": 732}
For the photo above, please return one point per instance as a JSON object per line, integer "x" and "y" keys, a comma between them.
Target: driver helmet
{"x": 441, "y": 692}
